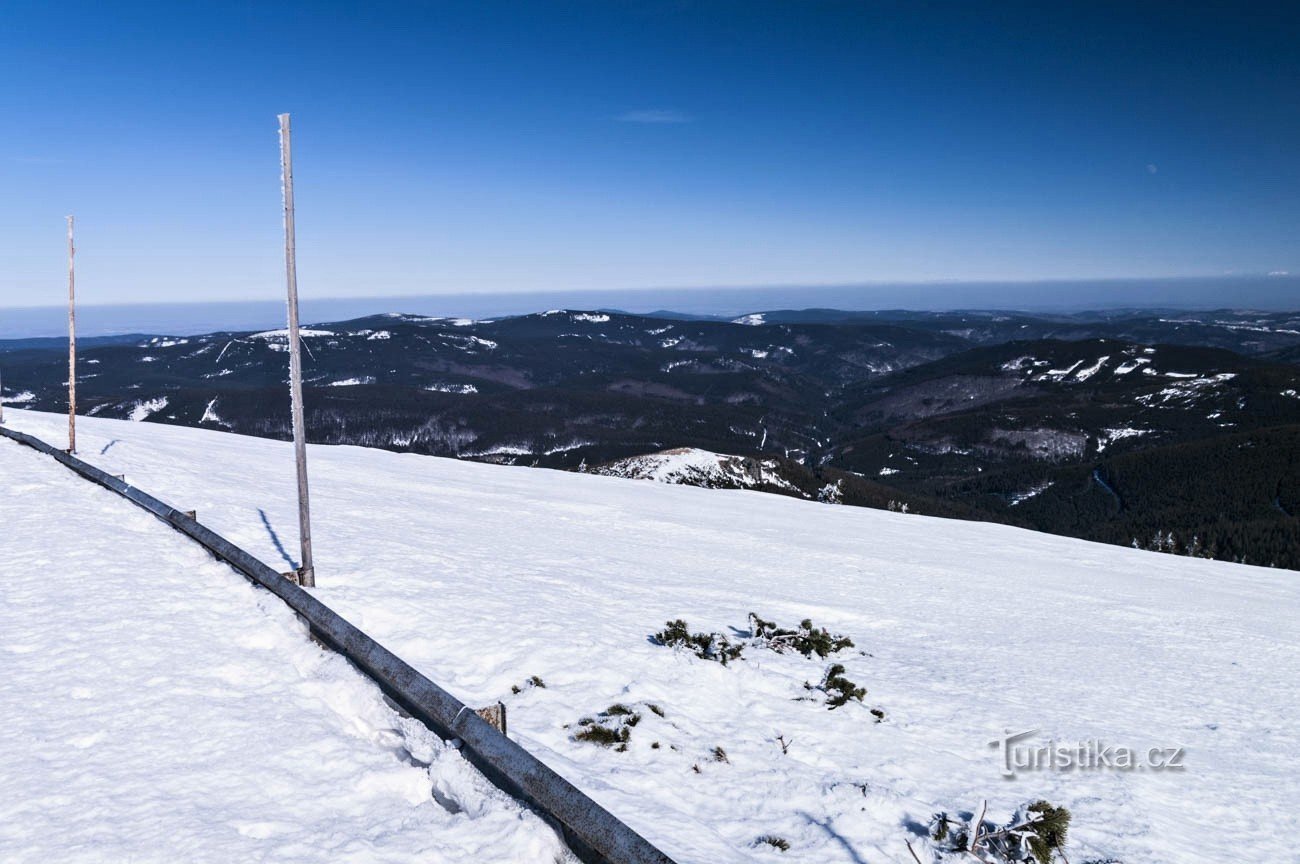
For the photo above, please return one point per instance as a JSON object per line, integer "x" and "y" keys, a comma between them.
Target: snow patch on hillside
{"x": 303, "y": 333}
{"x": 691, "y": 466}
{"x": 460, "y": 389}
{"x": 144, "y": 409}
{"x": 1109, "y": 436}
{"x": 210, "y": 413}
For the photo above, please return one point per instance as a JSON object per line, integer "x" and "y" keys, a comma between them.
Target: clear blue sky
{"x": 493, "y": 146}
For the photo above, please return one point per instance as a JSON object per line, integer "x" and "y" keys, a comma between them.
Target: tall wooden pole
{"x": 307, "y": 572}
{"x": 72, "y": 344}
{"x": 2, "y": 398}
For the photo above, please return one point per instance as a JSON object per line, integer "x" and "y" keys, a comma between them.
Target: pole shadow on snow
{"x": 825, "y": 825}
{"x": 275, "y": 538}
{"x": 109, "y": 446}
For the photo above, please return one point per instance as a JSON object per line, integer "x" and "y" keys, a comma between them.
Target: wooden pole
{"x": 72, "y": 344}
{"x": 2, "y": 398}
{"x": 306, "y": 572}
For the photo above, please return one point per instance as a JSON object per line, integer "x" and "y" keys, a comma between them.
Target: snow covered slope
{"x": 692, "y": 466}
{"x": 483, "y": 576}
{"x": 156, "y": 707}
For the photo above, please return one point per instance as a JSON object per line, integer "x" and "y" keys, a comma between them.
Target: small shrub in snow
{"x": 595, "y": 733}
{"x": 611, "y": 728}
{"x": 773, "y": 841}
{"x": 720, "y": 755}
{"x": 1036, "y": 833}
{"x": 533, "y": 681}
{"x": 807, "y": 639}
{"x": 838, "y": 689}
{"x": 706, "y": 646}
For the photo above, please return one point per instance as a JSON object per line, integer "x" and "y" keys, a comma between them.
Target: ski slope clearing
{"x": 158, "y": 708}
{"x": 484, "y": 576}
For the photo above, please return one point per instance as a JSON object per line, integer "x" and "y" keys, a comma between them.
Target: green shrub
{"x": 807, "y": 639}
{"x": 533, "y": 681}
{"x": 706, "y": 646}
{"x": 611, "y": 728}
{"x": 1049, "y": 826}
{"x": 838, "y": 689}
{"x": 1036, "y": 833}
{"x": 594, "y": 733}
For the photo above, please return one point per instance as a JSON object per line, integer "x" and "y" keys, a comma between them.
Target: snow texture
{"x": 157, "y": 707}
{"x": 218, "y": 718}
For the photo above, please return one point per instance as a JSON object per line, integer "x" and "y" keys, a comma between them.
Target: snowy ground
{"x": 484, "y": 575}
{"x": 156, "y": 707}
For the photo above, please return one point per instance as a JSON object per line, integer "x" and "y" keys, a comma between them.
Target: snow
{"x": 500, "y": 450}
{"x": 753, "y": 320}
{"x": 471, "y": 341}
{"x": 19, "y": 398}
{"x": 304, "y": 333}
{"x": 575, "y": 444}
{"x": 1059, "y": 374}
{"x": 163, "y": 709}
{"x": 1033, "y": 491}
{"x": 1085, "y": 374}
{"x": 1129, "y": 365}
{"x": 1109, "y": 436}
{"x": 144, "y": 409}
{"x": 1189, "y": 388}
{"x": 693, "y": 466}
{"x": 483, "y": 575}
{"x": 210, "y": 412}
{"x": 1017, "y": 364}
{"x": 461, "y": 389}
{"x": 590, "y": 318}
{"x": 352, "y": 382}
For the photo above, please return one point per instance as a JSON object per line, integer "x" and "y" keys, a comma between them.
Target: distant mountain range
{"x": 1176, "y": 431}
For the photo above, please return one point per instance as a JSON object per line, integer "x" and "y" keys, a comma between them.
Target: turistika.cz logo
{"x": 1018, "y": 753}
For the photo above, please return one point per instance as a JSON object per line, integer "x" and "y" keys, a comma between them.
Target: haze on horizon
{"x": 498, "y": 148}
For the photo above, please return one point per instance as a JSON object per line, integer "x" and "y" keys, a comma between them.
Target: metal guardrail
{"x": 592, "y": 833}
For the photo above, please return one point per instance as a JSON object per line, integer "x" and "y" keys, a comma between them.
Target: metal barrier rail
{"x": 592, "y": 832}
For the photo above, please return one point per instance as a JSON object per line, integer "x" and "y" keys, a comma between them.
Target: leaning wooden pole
{"x": 72, "y": 344}
{"x": 306, "y": 571}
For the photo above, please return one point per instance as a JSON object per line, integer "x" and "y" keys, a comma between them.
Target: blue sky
{"x": 562, "y": 146}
